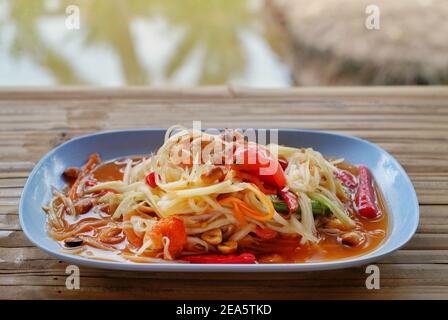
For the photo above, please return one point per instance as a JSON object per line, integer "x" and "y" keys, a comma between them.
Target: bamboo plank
{"x": 409, "y": 122}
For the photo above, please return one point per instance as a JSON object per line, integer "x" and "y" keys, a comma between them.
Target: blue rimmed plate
{"x": 395, "y": 185}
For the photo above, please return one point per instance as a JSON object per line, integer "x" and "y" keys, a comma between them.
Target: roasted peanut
{"x": 213, "y": 236}
{"x": 352, "y": 238}
{"x": 228, "y": 247}
{"x": 227, "y": 231}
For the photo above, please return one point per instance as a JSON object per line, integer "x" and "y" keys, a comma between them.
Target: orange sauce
{"x": 109, "y": 171}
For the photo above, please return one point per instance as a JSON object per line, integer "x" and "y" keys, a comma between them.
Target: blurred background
{"x": 258, "y": 43}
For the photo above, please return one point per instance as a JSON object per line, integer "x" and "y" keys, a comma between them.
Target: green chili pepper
{"x": 317, "y": 207}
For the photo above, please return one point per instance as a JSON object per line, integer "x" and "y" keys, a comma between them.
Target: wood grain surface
{"x": 411, "y": 123}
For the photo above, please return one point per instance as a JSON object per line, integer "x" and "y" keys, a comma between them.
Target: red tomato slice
{"x": 256, "y": 159}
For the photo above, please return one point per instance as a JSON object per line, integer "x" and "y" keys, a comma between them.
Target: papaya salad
{"x": 217, "y": 198}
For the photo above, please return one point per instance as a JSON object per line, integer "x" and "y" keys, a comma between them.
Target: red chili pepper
{"x": 365, "y": 199}
{"x": 244, "y": 258}
{"x": 259, "y": 161}
{"x": 291, "y": 200}
{"x": 151, "y": 180}
{"x": 283, "y": 163}
{"x": 346, "y": 178}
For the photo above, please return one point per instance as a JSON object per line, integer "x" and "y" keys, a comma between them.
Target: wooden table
{"x": 411, "y": 123}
